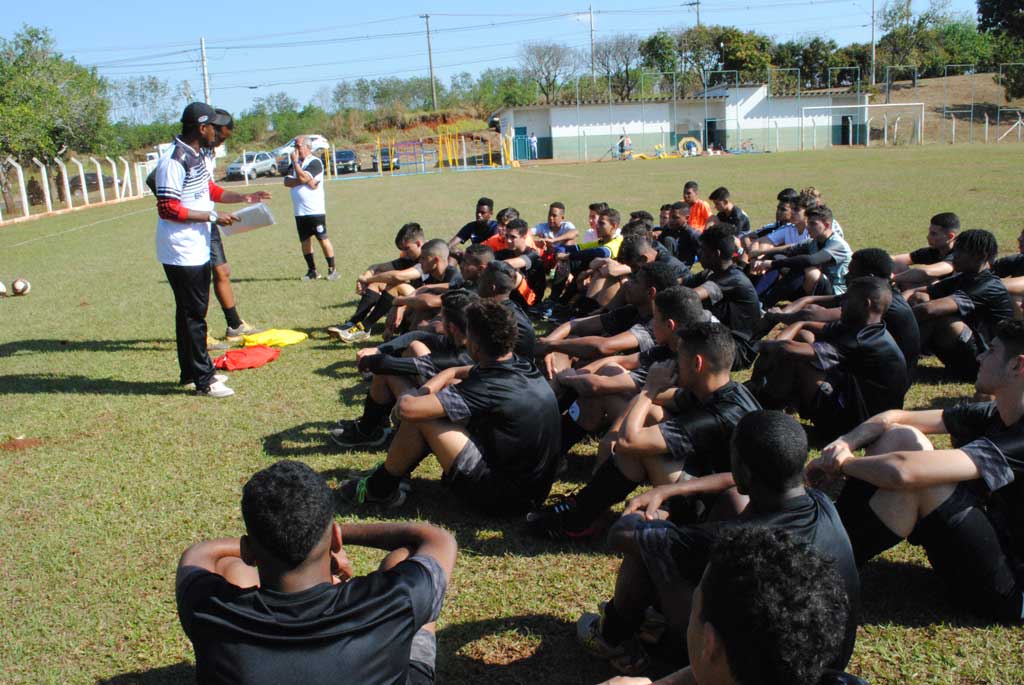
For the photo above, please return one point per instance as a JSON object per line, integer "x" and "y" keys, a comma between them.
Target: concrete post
{"x": 127, "y": 190}
{"x": 65, "y": 182}
{"x": 99, "y": 179}
{"x": 117, "y": 182}
{"x": 46, "y": 184}
{"x": 21, "y": 184}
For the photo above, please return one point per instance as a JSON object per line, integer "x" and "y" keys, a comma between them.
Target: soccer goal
{"x": 889, "y": 124}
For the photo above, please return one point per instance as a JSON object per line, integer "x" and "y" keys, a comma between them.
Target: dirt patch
{"x": 18, "y": 444}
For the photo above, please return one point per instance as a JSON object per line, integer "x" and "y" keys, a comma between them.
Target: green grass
{"x": 128, "y": 470}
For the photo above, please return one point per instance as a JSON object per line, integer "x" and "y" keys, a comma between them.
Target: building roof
{"x": 604, "y": 103}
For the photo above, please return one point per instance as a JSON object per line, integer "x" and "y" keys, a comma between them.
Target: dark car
{"x": 345, "y": 162}
{"x": 91, "y": 183}
{"x": 385, "y": 163}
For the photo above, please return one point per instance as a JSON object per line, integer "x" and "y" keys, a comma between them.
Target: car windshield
{"x": 345, "y": 154}
{"x": 249, "y": 157}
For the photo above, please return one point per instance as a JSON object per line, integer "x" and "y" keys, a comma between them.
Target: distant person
{"x": 280, "y": 603}
{"x": 727, "y": 211}
{"x": 928, "y": 264}
{"x": 478, "y": 230}
{"x": 699, "y": 210}
{"x": 533, "y": 145}
{"x": 306, "y": 183}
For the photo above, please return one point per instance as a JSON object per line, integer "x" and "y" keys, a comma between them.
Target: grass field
{"x": 119, "y": 470}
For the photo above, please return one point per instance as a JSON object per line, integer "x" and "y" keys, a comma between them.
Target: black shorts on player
{"x": 311, "y": 226}
{"x": 217, "y": 256}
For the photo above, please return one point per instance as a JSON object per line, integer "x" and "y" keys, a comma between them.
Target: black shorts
{"x": 311, "y": 226}
{"x": 473, "y": 481}
{"x": 217, "y": 256}
{"x": 961, "y": 361}
{"x": 422, "y": 659}
{"x": 673, "y": 554}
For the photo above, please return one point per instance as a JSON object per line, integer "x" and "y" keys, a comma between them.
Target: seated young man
{"x": 782, "y": 231}
{"x": 557, "y": 232}
{"x": 849, "y": 370}
{"x": 608, "y": 275}
{"x": 726, "y": 291}
{"x": 478, "y": 230}
{"x": 963, "y": 504}
{"x": 395, "y": 373}
{"x": 495, "y": 433}
{"x": 498, "y": 282}
{"x": 698, "y": 211}
{"x": 620, "y": 330}
{"x": 816, "y": 266}
{"x": 899, "y": 318}
{"x": 280, "y": 604}
{"x": 958, "y": 314}
{"x": 523, "y": 256}
{"x": 609, "y": 239}
{"x": 680, "y": 422}
{"x": 929, "y": 264}
{"x": 498, "y": 241}
{"x": 677, "y": 236}
{"x": 409, "y": 241}
{"x": 662, "y": 563}
{"x": 769, "y": 609}
{"x": 1011, "y": 270}
{"x": 432, "y": 269}
{"x": 602, "y": 389}
{"x": 728, "y": 212}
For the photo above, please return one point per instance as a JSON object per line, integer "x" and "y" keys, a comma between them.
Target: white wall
{"x": 535, "y": 121}
{"x": 593, "y": 119}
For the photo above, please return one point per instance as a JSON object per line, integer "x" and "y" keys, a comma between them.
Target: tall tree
{"x": 619, "y": 59}
{"x": 1005, "y": 20}
{"x": 550, "y": 65}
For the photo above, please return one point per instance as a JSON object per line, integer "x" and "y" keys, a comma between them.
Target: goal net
{"x": 867, "y": 125}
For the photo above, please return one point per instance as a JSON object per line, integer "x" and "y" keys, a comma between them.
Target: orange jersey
{"x": 700, "y": 211}
{"x": 498, "y": 243}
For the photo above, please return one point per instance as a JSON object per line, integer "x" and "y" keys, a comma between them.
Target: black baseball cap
{"x": 202, "y": 113}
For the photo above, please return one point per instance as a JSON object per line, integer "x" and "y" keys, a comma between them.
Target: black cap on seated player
{"x": 201, "y": 113}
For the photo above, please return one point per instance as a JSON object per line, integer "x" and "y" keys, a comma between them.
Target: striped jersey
{"x": 183, "y": 175}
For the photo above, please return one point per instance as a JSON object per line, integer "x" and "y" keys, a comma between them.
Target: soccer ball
{"x": 20, "y": 286}
{"x": 3, "y": 289}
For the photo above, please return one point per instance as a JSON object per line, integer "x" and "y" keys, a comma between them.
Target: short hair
{"x": 657, "y": 275}
{"x": 720, "y": 238}
{"x": 680, "y": 206}
{"x": 408, "y": 233}
{"x": 435, "y": 248}
{"x": 633, "y": 246}
{"x": 634, "y": 229}
{"x": 453, "y": 306}
{"x": 287, "y": 508}
{"x": 787, "y": 194}
{"x": 508, "y": 214}
{"x": 780, "y": 607}
{"x": 519, "y": 226}
{"x": 485, "y": 202}
{"x": 691, "y": 185}
{"x": 820, "y": 213}
{"x": 500, "y": 277}
{"x": 556, "y": 205}
{"x": 977, "y": 243}
{"x": 947, "y": 221}
{"x": 873, "y": 261}
{"x": 876, "y": 290}
{"x": 680, "y": 304}
{"x": 711, "y": 340}
{"x": 772, "y": 445}
{"x": 721, "y": 194}
{"x": 478, "y": 253}
{"x": 666, "y": 207}
{"x": 806, "y": 202}
{"x": 230, "y": 124}
{"x": 1011, "y": 332}
{"x": 612, "y": 214}
{"x": 492, "y": 326}
{"x": 792, "y": 202}
{"x": 642, "y": 215}
{"x": 598, "y": 207}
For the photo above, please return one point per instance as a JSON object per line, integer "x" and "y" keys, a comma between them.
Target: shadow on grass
{"x": 38, "y": 383}
{"x": 935, "y": 375}
{"x": 304, "y": 439}
{"x": 162, "y": 675}
{"x": 45, "y": 345}
{"x": 340, "y": 370}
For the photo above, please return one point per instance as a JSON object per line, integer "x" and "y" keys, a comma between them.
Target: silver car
{"x": 255, "y": 164}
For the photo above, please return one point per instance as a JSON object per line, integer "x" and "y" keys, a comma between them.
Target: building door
{"x": 846, "y": 133}
{"x": 520, "y": 143}
{"x": 711, "y": 133}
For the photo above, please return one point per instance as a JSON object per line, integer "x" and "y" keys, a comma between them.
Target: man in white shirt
{"x": 306, "y": 183}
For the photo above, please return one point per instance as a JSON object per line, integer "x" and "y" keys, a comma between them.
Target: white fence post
{"x": 953, "y": 119}
{"x": 117, "y": 183}
{"x": 81, "y": 179}
{"x": 867, "y": 143}
{"x": 885, "y": 129}
{"x": 21, "y": 184}
{"x": 245, "y": 171}
{"x": 46, "y": 184}
{"x": 99, "y": 179}
{"x": 896, "y": 130}
{"x": 65, "y": 182}
{"x": 126, "y": 189}
{"x": 986, "y": 127}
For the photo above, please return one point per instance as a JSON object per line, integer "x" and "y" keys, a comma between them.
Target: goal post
{"x": 853, "y": 118}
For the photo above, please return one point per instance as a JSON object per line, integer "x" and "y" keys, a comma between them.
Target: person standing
{"x": 185, "y": 196}
{"x": 306, "y": 183}
{"x": 533, "y": 145}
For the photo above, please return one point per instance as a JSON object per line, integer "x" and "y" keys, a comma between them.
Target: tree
{"x": 746, "y": 52}
{"x": 698, "y": 52}
{"x": 659, "y": 54}
{"x": 550, "y": 65}
{"x": 619, "y": 59}
{"x": 1004, "y": 21}
{"x": 144, "y": 100}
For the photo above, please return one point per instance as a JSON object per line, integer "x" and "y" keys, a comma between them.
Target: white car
{"x": 317, "y": 143}
{"x": 255, "y": 164}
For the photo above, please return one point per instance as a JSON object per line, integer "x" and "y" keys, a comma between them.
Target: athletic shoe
{"x": 213, "y": 344}
{"x": 354, "y": 493}
{"x": 236, "y": 334}
{"x": 216, "y": 389}
{"x": 355, "y": 334}
{"x": 311, "y": 275}
{"x": 629, "y": 657}
{"x": 550, "y": 522}
{"x": 337, "y": 331}
{"x": 350, "y": 434}
{"x": 217, "y": 378}
{"x": 333, "y": 275}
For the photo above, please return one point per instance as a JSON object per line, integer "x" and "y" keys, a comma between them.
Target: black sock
{"x": 572, "y": 433}
{"x": 608, "y": 487}
{"x": 309, "y": 261}
{"x": 330, "y": 262}
{"x": 366, "y": 303}
{"x": 616, "y": 629}
{"x": 587, "y": 305}
{"x": 373, "y": 415}
{"x": 380, "y": 310}
{"x": 381, "y": 483}
{"x": 232, "y": 317}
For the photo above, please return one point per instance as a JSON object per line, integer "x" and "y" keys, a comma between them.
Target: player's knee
{"x": 900, "y": 438}
{"x": 622, "y": 535}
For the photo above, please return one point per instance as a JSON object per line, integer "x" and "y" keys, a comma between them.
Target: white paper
{"x": 249, "y": 219}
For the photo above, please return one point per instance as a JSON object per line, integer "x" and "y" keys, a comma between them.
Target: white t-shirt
{"x": 183, "y": 176}
{"x": 787, "y": 235}
{"x": 543, "y": 229}
{"x": 310, "y": 200}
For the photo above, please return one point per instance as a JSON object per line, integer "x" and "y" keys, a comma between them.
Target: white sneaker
{"x": 217, "y": 389}
{"x": 217, "y": 378}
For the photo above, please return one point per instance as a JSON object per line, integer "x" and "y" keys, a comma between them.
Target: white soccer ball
{"x": 3, "y": 289}
{"x": 20, "y": 286}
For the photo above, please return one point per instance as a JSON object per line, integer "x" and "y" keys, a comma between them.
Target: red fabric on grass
{"x": 246, "y": 358}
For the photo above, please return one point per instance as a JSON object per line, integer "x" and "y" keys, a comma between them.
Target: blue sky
{"x": 260, "y": 47}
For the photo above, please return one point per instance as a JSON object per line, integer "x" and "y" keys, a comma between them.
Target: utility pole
{"x": 872, "y": 42}
{"x": 593, "y": 72}
{"x": 430, "y": 59}
{"x": 206, "y": 76}
{"x": 696, "y": 5}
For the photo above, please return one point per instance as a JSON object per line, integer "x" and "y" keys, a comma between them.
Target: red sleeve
{"x": 171, "y": 209}
{"x": 216, "y": 192}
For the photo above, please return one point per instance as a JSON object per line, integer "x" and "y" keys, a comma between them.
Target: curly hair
{"x": 978, "y": 243}
{"x": 872, "y": 261}
{"x": 779, "y": 606}
{"x": 772, "y": 445}
{"x": 287, "y": 507}
{"x": 1011, "y": 332}
{"x": 453, "y": 306}
{"x": 492, "y": 326}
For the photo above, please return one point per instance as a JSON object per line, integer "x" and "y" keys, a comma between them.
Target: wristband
{"x": 213, "y": 216}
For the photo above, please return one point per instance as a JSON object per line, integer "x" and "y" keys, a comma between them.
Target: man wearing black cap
{"x": 185, "y": 196}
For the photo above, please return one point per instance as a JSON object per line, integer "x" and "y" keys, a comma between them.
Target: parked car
{"x": 255, "y": 164}
{"x": 385, "y": 160}
{"x": 345, "y": 162}
{"x": 91, "y": 183}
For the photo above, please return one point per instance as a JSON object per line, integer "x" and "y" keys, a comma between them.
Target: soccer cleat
{"x": 213, "y": 344}
{"x": 349, "y": 434}
{"x": 236, "y": 334}
{"x": 354, "y": 492}
{"x": 550, "y": 522}
{"x": 629, "y": 657}
{"x": 337, "y": 331}
{"x": 355, "y": 334}
{"x": 216, "y": 389}
{"x": 311, "y": 275}
{"x": 333, "y": 275}
{"x": 217, "y": 378}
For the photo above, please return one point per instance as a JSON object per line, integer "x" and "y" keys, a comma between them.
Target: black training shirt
{"x": 981, "y": 299}
{"x": 902, "y": 325}
{"x": 477, "y": 232}
{"x": 627, "y": 318}
{"x": 527, "y": 338}
{"x": 737, "y": 217}
{"x": 732, "y": 298}
{"x": 929, "y": 255}
{"x": 869, "y": 357}
{"x": 1009, "y": 267}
